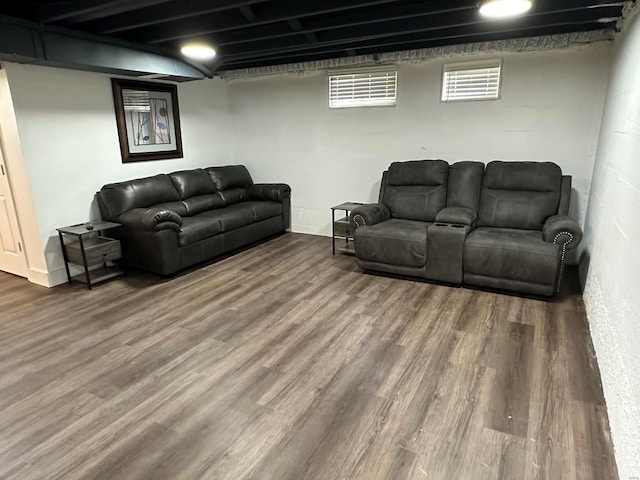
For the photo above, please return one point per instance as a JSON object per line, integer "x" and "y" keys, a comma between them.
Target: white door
{"x": 12, "y": 257}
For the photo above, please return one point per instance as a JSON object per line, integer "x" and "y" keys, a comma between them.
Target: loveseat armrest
{"x": 274, "y": 192}
{"x": 369, "y": 215}
{"x": 563, "y": 231}
{"x": 457, "y": 215}
{"x": 151, "y": 219}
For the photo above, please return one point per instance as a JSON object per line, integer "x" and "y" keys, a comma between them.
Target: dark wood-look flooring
{"x": 283, "y": 362}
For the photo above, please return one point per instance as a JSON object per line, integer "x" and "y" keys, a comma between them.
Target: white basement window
{"x": 478, "y": 81}
{"x": 365, "y": 87}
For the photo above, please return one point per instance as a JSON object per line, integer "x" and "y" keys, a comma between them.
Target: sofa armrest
{"x": 274, "y": 192}
{"x": 457, "y": 215}
{"x": 151, "y": 219}
{"x": 369, "y": 215}
{"x": 563, "y": 231}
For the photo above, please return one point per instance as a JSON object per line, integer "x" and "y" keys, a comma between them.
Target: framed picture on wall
{"x": 148, "y": 120}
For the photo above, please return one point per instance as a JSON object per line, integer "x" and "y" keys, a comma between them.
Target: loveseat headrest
{"x": 465, "y": 179}
{"x": 520, "y": 195}
{"x": 418, "y": 173}
{"x": 529, "y": 176}
{"x": 230, "y": 176}
{"x": 117, "y": 198}
{"x": 416, "y": 190}
{"x": 191, "y": 183}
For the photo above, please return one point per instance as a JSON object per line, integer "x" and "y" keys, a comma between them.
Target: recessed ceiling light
{"x": 504, "y": 8}
{"x": 198, "y": 51}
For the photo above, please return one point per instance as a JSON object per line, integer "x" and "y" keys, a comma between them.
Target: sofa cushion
{"x": 416, "y": 190}
{"x": 241, "y": 214}
{"x": 264, "y": 209}
{"x": 519, "y": 194}
{"x": 120, "y": 197}
{"x": 394, "y": 242}
{"x": 234, "y": 195}
{"x": 190, "y": 183}
{"x": 230, "y": 176}
{"x": 231, "y": 217}
{"x": 202, "y": 203}
{"x": 197, "y": 228}
{"x": 511, "y": 254}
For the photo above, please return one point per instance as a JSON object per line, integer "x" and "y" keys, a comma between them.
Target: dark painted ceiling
{"x": 253, "y": 33}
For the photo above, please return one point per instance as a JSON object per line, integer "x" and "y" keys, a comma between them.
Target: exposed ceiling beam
{"x": 392, "y": 45}
{"x": 83, "y": 11}
{"x": 420, "y": 27}
{"x": 296, "y": 26}
{"x": 247, "y": 12}
{"x": 272, "y": 12}
{"x": 171, "y": 12}
{"x": 31, "y": 42}
{"x": 462, "y": 37}
{"x": 381, "y": 15}
{"x": 256, "y": 32}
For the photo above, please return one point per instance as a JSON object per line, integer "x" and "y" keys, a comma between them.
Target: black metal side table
{"x": 89, "y": 248}
{"x": 341, "y": 228}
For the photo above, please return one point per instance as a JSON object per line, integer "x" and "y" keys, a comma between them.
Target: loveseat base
{"x": 470, "y": 279}
{"x": 393, "y": 269}
{"x": 512, "y": 285}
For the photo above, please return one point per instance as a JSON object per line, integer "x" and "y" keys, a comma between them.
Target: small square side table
{"x": 88, "y": 248}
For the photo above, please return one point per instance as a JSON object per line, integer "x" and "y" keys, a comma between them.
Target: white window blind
{"x": 471, "y": 82}
{"x": 363, "y": 88}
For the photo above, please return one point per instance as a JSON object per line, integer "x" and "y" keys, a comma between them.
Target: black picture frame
{"x": 141, "y": 108}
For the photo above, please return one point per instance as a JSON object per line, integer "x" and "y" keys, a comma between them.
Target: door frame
{"x": 20, "y": 187}
{"x": 14, "y": 257}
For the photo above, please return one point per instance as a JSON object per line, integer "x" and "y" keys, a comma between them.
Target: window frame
{"x": 381, "y": 69}
{"x": 475, "y": 65}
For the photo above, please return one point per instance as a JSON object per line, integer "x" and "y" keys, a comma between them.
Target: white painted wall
{"x": 612, "y": 236}
{"x": 551, "y": 108}
{"x": 69, "y": 140}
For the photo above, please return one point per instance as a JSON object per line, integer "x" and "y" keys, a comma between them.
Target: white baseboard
{"x": 39, "y": 277}
{"x": 57, "y": 277}
{"x": 309, "y": 230}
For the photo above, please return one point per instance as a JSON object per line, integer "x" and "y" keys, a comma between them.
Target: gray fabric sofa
{"x": 171, "y": 222}
{"x": 501, "y": 226}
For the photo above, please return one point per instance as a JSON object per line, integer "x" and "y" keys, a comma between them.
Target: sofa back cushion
{"x": 519, "y": 194}
{"x": 117, "y": 198}
{"x": 416, "y": 190}
{"x": 203, "y": 203}
{"x": 191, "y": 183}
{"x": 232, "y": 181}
{"x": 230, "y": 176}
{"x": 234, "y": 195}
{"x": 463, "y": 186}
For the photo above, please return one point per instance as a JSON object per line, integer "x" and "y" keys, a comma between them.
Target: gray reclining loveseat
{"x": 504, "y": 226}
{"x": 171, "y": 222}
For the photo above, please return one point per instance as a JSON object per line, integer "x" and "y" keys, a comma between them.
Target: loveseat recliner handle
{"x": 565, "y": 232}
{"x": 369, "y": 214}
{"x": 151, "y": 219}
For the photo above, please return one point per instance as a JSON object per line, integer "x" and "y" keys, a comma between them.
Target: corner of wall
{"x": 612, "y": 253}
